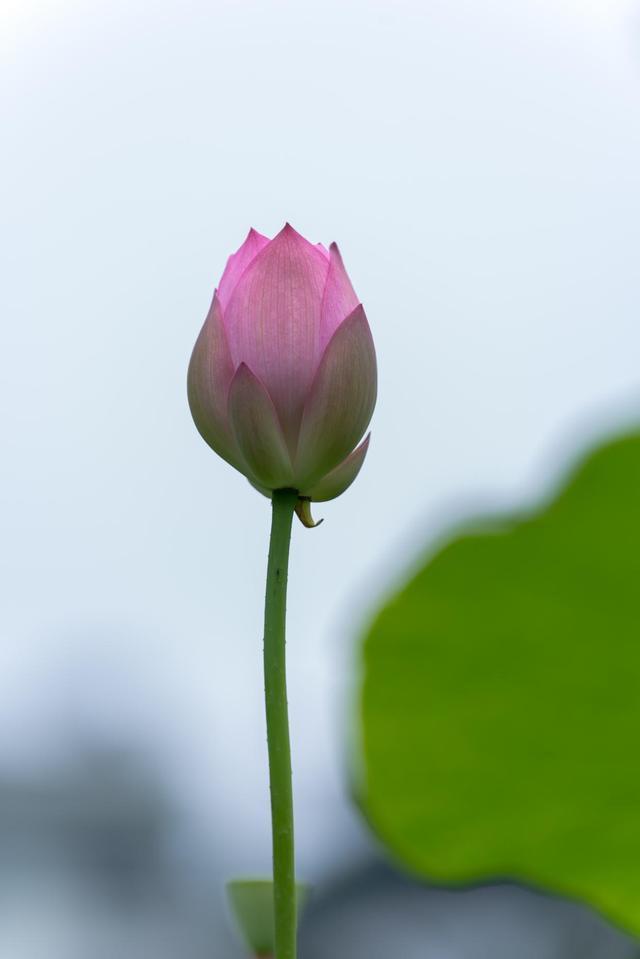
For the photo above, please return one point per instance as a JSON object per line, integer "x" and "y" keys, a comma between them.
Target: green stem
{"x": 284, "y": 888}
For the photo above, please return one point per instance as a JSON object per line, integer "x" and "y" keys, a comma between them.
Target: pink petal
{"x": 339, "y": 298}
{"x": 238, "y": 262}
{"x": 257, "y": 431}
{"x": 340, "y": 478}
{"x": 340, "y": 402}
{"x": 210, "y": 374}
{"x": 273, "y": 322}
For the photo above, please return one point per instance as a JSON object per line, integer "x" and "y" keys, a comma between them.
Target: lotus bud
{"x": 282, "y": 379}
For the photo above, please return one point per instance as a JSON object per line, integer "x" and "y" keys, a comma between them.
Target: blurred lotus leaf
{"x": 500, "y": 703}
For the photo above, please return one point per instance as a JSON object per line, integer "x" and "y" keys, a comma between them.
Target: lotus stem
{"x": 284, "y": 882}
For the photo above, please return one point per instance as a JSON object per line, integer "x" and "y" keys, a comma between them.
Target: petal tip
{"x": 254, "y": 240}
{"x": 244, "y": 372}
{"x": 287, "y": 233}
{"x": 291, "y": 233}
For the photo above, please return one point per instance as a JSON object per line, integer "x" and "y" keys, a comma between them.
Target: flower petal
{"x": 257, "y": 431}
{"x": 238, "y": 262}
{"x": 339, "y": 299}
{"x": 208, "y": 380}
{"x": 261, "y": 489}
{"x": 340, "y": 478}
{"x": 273, "y": 322}
{"x": 340, "y": 402}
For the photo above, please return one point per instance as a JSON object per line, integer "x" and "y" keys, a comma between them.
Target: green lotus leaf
{"x": 500, "y": 699}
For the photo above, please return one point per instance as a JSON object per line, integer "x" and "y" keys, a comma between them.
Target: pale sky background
{"x": 479, "y": 164}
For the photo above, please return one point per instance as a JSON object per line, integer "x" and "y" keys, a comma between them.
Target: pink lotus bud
{"x": 282, "y": 380}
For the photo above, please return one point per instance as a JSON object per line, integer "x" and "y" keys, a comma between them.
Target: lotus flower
{"x": 282, "y": 380}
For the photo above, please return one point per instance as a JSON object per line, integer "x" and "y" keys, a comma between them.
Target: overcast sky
{"x": 479, "y": 164}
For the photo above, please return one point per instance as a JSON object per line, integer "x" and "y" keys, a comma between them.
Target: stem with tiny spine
{"x": 284, "y": 887}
